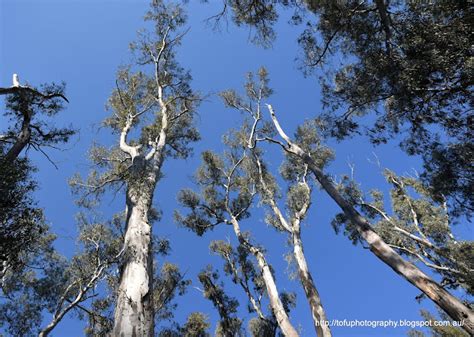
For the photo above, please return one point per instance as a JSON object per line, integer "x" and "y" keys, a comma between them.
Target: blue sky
{"x": 84, "y": 42}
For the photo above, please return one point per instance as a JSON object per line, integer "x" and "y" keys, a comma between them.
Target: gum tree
{"x": 298, "y": 192}
{"x": 152, "y": 116}
{"x": 407, "y": 64}
{"x": 415, "y": 225}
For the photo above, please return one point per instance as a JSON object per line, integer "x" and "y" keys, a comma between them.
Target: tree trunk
{"x": 450, "y": 304}
{"x": 21, "y": 141}
{"x": 317, "y": 312}
{"x": 277, "y": 307}
{"x": 134, "y": 312}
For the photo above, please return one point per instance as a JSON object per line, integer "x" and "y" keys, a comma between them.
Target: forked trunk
{"x": 317, "y": 312}
{"x": 134, "y": 314}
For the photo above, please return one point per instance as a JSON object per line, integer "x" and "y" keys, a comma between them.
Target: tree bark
{"x": 134, "y": 312}
{"x": 277, "y": 307}
{"x": 450, "y": 304}
{"x": 317, "y": 311}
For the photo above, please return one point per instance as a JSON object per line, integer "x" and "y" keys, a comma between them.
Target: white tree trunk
{"x": 134, "y": 314}
{"x": 277, "y": 307}
{"x": 312, "y": 295}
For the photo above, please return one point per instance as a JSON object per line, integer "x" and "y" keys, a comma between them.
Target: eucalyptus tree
{"x": 28, "y": 260}
{"x": 157, "y": 106}
{"x": 299, "y": 151}
{"x": 407, "y": 64}
{"x": 298, "y": 193}
{"x": 228, "y": 187}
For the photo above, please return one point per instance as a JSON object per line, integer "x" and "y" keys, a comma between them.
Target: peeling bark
{"x": 134, "y": 312}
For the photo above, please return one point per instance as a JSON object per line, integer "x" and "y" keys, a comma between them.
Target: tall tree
{"x": 160, "y": 109}
{"x": 243, "y": 271}
{"x": 298, "y": 193}
{"x": 26, "y": 107}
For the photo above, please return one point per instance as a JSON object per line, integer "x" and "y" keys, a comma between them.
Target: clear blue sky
{"x": 84, "y": 42}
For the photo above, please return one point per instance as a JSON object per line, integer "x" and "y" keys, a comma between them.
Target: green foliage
{"x": 167, "y": 285}
{"x": 22, "y": 224}
{"x": 30, "y": 269}
{"x": 196, "y": 325}
{"x": 241, "y": 269}
{"x": 409, "y": 65}
{"x": 155, "y": 106}
{"x": 229, "y": 325}
{"x": 415, "y": 225}
{"x": 416, "y": 59}
{"x": 35, "y": 111}
{"x": 262, "y": 328}
{"x": 307, "y": 136}
{"x": 226, "y": 191}
{"x": 29, "y": 291}
{"x": 438, "y": 331}
{"x": 258, "y": 14}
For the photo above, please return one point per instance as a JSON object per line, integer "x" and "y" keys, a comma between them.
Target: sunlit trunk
{"x": 134, "y": 309}
{"x": 277, "y": 307}
{"x": 312, "y": 295}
